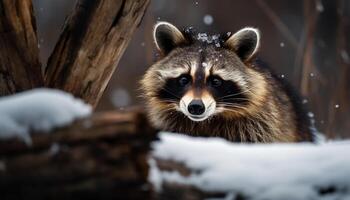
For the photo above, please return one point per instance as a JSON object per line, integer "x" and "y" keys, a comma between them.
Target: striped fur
{"x": 258, "y": 107}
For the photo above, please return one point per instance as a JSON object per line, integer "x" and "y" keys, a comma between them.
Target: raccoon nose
{"x": 196, "y": 107}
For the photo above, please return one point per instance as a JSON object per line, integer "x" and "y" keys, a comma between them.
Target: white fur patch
{"x": 172, "y": 73}
{"x": 232, "y": 76}
{"x": 208, "y": 101}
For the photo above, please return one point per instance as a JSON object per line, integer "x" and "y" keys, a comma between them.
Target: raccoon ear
{"x": 167, "y": 37}
{"x": 244, "y": 42}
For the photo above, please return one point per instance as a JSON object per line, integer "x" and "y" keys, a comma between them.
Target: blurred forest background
{"x": 306, "y": 42}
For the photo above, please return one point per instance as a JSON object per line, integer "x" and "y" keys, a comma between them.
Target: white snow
{"x": 311, "y": 114}
{"x": 38, "y": 110}
{"x": 209, "y": 39}
{"x": 318, "y": 136}
{"x": 319, "y": 6}
{"x": 120, "y": 97}
{"x": 259, "y": 171}
{"x": 208, "y": 19}
{"x": 345, "y": 56}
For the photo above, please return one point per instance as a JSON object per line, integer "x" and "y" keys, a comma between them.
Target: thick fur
{"x": 263, "y": 107}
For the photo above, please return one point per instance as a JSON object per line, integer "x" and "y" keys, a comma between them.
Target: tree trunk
{"x": 20, "y": 68}
{"x": 324, "y": 76}
{"x": 93, "y": 40}
{"x": 103, "y": 157}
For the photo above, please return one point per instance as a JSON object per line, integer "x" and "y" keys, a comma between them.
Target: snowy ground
{"x": 38, "y": 110}
{"x": 274, "y": 171}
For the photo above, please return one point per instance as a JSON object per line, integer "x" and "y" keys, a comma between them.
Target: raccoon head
{"x": 202, "y": 76}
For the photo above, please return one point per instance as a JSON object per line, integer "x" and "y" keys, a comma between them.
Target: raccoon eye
{"x": 215, "y": 82}
{"x": 183, "y": 80}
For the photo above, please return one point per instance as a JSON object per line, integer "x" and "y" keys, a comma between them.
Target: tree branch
{"x": 20, "y": 68}
{"x": 91, "y": 45}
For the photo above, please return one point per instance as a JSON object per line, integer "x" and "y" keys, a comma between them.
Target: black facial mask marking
{"x": 174, "y": 88}
{"x": 226, "y": 91}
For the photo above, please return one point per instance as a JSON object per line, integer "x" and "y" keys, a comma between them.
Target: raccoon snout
{"x": 196, "y": 107}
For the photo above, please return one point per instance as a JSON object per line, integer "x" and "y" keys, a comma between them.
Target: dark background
{"x": 306, "y": 42}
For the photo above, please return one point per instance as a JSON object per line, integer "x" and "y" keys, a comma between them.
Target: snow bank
{"x": 38, "y": 110}
{"x": 275, "y": 171}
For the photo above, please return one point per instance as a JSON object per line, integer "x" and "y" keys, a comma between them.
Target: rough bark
{"x": 93, "y": 40}
{"x": 103, "y": 157}
{"x": 20, "y": 68}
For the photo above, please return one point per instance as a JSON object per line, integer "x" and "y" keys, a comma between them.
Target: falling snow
{"x": 311, "y": 115}
{"x": 120, "y": 98}
{"x": 319, "y": 6}
{"x": 2, "y": 166}
{"x": 281, "y": 44}
{"x": 208, "y": 19}
{"x": 345, "y": 56}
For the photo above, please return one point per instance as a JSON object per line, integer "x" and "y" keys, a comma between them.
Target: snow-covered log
{"x": 183, "y": 167}
{"x": 52, "y": 147}
{"x": 99, "y": 156}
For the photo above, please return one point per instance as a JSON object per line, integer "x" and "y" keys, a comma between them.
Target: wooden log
{"x": 173, "y": 190}
{"x": 93, "y": 40}
{"x": 102, "y": 157}
{"x": 20, "y": 68}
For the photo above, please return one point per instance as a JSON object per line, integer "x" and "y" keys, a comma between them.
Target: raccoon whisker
{"x": 168, "y": 109}
{"x": 243, "y": 92}
{"x": 211, "y": 103}
{"x": 232, "y": 106}
{"x": 223, "y": 101}
{"x": 170, "y": 92}
{"x": 229, "y": 106}
{"x": 228, "y": 98}
{"x": 168, "y": 100}
{"x": 233, "y": 109}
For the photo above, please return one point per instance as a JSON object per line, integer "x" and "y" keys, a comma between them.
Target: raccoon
{"x": 214, "y": 86}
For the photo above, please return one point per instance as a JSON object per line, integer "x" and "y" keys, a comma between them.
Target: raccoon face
{"x": 202, "y": 76}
